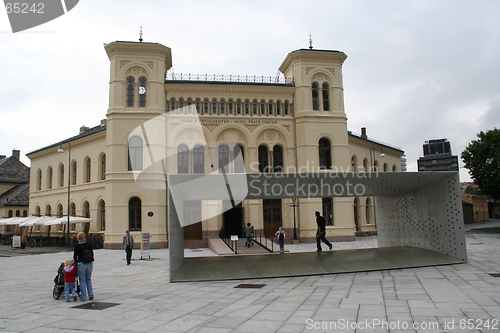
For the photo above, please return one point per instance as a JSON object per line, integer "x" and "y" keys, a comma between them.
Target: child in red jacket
{"x": 69, "y": 270}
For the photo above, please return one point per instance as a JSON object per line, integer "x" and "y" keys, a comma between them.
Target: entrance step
{"x": 218, "y": 246}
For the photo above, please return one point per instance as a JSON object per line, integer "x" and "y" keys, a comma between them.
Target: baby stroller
{"x": 59, "y": 283}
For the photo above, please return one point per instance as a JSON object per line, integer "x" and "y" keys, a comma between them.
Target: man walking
{"x": 128, "y": 245}
{"x": 321, "y": 232}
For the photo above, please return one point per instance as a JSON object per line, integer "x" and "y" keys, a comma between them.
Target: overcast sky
{"x": 416, "y": 70}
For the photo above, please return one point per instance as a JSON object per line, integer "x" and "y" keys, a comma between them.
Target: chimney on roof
{"x": 83, "y": 129}
{"x": 2, "y": 157}
{"x": 363, "y": 133}
{"x": 16, "y": 153}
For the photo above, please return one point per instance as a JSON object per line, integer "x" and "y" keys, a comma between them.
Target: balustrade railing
{"x": 228, "y": 78}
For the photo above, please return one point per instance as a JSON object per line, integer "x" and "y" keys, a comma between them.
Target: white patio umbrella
{"x": 32, "y": 220}
{"x": 64, "y": 220}
{"x": 12, "y": 221}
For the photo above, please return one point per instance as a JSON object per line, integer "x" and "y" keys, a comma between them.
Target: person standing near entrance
{"x": 281, "y": 239}
{"x": 249, "y": 234}
{"x": 128, "y": 245}
{"x": 321, "y": 232}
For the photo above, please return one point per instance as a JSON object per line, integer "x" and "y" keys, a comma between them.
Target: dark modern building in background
{"x": 437, "y": 157}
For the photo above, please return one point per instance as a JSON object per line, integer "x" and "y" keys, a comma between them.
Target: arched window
{"x": 73, "y": 167}
{"x": 365, "y": 165}
{"x": 223, "y": 158}
{"x": 39, "y": 179}
{"x": 386, "y": 167}
{"x": 134, "y": 214}
{"x": 87, "y": 169}
{"x": 61, "y": 175}
{"x": 49, "y": 178}
{"x": 103, "y": 167}
{"x": 254, "y": 106}
{"x": 286, "y": 108}
{"x": 326, "y": 97}
{"x": 142, "y": 92}
{"x": 86, "y": 209}
{"x": 190, "y": 105}
{"x": 278, "y": 107}
{"x": 60, "y": 210}
{"x": 135, "y": 153}
{"x": 247, "y": 106}
{"x": 10, "y": 213}
{"x": 102, "y": 214}
{"x": 328, "y": 210}
{"x": 263, "y": 159}
{"x": 72, "y": 209}
{"x": 394, "y": 168}
{"x": 48, "y": 210}
{"x": 198, "y": 159}
{"x": 182, "y": 159}
{"x": 325, "y": 154}
{"x": 25, "y": 213}
{"x": 354, "y": 164}
{"x": 262, "y": 107}
{"x": 37, "y": 211}
{"x": 375, "y": 166}
{"x": 130, "y": 91}
{"x": 222, "y": 106}
{"x": 205, "y": 106}
{"x": 238, "y": 106}
{"x": 172, "y": 104}
{"x": 278, "y": 158}
{"x": 181, "y": 103}
{"x": 18, "y": 213}
{"x": 315, "y": 96}
{"x": 214, "y": 106}
{"x": 198, "y": 105}
{"x": 270, "y": 107}
{"x": 229, "y": 106}
{"x": 239, "y": 159}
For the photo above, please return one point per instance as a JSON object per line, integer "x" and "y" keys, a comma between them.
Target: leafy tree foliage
{"x": 482, "y": 158}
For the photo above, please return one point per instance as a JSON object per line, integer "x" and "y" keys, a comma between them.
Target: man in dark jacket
{"x": 321, "y": 232}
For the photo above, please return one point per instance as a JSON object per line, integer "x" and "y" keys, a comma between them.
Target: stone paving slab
{"x": 148, "y": 302}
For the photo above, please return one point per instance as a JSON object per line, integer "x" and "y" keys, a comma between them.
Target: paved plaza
{"x": 450, "y": 298}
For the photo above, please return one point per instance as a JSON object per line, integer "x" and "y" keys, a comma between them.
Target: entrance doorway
{"x": 233, "y": 221}
{"x": 192, "y": 214}
{"x": 272, "y": 216}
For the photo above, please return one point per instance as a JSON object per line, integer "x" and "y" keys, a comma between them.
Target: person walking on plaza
{"x": 128, "y": 245}
{"x": 321, "y": 232}
{"x": 83, "y": 255}
{"x": 70, "y": 271}
{"x": 281, "y": 239}
{"x": 249, "y": 234}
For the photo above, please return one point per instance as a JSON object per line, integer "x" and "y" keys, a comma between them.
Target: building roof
{"x": 13, "y": 171}
{"x": 16, "y": 196}
{"x": 83, "y": 134}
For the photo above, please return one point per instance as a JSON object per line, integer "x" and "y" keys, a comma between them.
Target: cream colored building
{"x": 296, "y": 123}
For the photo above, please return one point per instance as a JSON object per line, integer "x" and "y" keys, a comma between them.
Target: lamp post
{"x": 293, "y": 205}
{"x": 372, "y": 153}
{"x": 61, "y": 150}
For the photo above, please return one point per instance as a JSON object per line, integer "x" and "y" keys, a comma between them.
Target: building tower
{"x": 136, "y": 95}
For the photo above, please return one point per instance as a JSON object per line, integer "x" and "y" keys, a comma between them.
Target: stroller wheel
{"x": 56, "y": 292}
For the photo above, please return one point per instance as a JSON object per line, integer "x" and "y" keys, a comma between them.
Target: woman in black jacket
{"x": 83, "y": 255}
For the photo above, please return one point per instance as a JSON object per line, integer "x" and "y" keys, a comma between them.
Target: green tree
{"x": 482, "y": 158}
